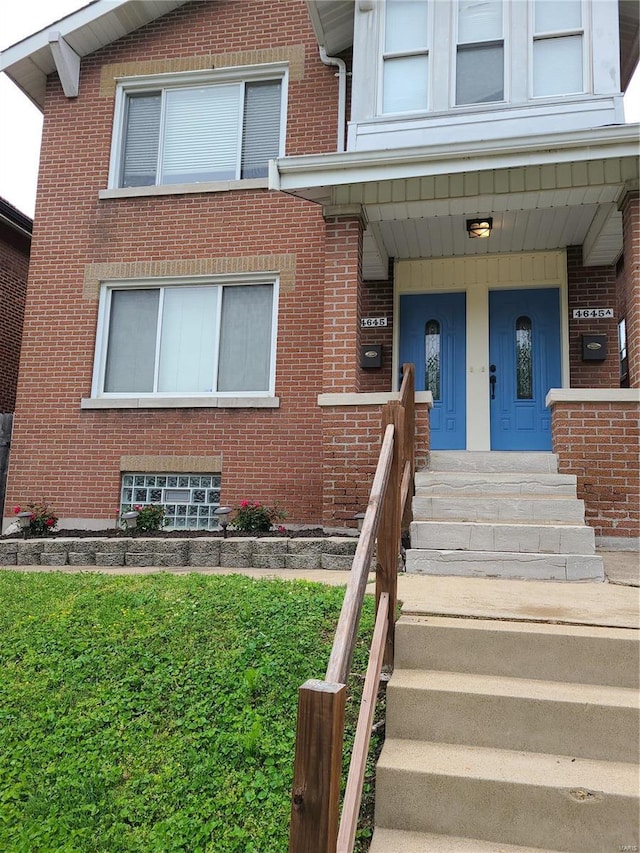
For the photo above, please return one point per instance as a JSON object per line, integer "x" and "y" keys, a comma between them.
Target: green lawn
{"x": 154, "y": 714}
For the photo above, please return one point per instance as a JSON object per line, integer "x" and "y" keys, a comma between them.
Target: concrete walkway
{"x": 612, "y": 604}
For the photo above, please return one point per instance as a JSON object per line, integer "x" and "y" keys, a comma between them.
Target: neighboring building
{"x": 211, "y": 305}
{"x": 15, "y": 245}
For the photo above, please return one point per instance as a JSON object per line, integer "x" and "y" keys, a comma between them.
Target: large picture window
{"x": 186, "y": 339}
{"x": 182, "y": 134}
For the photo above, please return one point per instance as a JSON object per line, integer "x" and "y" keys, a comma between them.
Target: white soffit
{"x": 30, "y": 61}
{"x": 332, "y": 23}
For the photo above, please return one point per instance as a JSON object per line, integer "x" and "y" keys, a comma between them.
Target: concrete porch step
{"x": 555, "y": 802}
{"x": 579, "y": 720}
{"x": 558, "y": 510}
{"x": 506, "y": 565}
{"x": 583, "y": 654}
{"x": 492, "y": 460}
{"x": 401, "y": 841}
{"x": 482, "y": 536}
{"x": 471, "y": 484}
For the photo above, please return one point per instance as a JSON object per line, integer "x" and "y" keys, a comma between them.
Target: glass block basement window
{"x": 189, "y": 500}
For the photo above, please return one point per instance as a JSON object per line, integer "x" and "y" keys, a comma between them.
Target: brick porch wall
{"x": 598, "y": 442}
{"x": 14, "y": 268}
{"x": 352, "y": 437}
{"x": 630, "y": 283}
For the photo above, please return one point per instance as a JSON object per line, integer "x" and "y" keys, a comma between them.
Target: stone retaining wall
{"x": 241, "y": 552}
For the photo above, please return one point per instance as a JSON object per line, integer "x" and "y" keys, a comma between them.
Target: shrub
{"x": 150, "y": 517}
{"x": 254, "y": 517}
{"x": 43, "y": 519}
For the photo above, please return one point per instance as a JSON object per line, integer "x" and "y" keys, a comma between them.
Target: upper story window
{"x": 186, "y": 339}
{"x": 480, "y": 52}
{"x": 223, "y": 128}
{"x": 558, "y": 37}
{"x": 405, "y": 60}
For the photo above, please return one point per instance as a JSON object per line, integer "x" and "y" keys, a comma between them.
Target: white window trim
{"x": 453, "y": 58}
{"x": 584, "y": 31}
{"x": 153, "y": 82}
{"x": 383, "y": 55}
{"x": 231, "y": 399}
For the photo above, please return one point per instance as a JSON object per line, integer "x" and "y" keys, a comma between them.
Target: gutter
{"x": 342, "y": 92}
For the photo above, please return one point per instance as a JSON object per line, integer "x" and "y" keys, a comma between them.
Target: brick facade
{"x": 14, "y": 269}
{"x": 629, "y": 285}
{"x": 598, "y": 442}
{"x": 592, "y": 287}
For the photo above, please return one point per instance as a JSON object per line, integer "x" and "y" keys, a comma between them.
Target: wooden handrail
{"x": 321, "y": 704}
{"x": 344, "y": 641}
{"x": 355, "y": 780}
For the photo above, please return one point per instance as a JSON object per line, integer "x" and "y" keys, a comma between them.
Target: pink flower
{"x": 32, "y": 517}
{"x": 282, "y": 528}
{"x": 245, "y": 504}
{"x": 17, "y": 509}
{"x": 137, "y": 507}
{"x": 256, "y": 505}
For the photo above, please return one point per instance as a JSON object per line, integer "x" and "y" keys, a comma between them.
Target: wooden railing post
{"x": 389, "y": 530}
{"x": 317, "y": 768}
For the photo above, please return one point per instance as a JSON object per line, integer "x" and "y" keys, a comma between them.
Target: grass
{"x": 157, "y": 713}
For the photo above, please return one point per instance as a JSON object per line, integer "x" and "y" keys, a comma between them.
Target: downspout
{"x": 342, "y": 92}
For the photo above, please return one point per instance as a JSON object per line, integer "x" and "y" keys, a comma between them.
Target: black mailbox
{"x": 371, "y": 355}
{"x": 594, "y": 347}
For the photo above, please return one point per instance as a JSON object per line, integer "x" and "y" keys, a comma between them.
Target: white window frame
{"x": 506, "y": 60}
{"x": 426, "y": 51}
{"x": 582, "y": 31}
{"x": 102, "y": 335}
{"x": 161, "y": 82}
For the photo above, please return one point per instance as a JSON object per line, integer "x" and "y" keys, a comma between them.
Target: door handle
{"x": 492, "y": 382}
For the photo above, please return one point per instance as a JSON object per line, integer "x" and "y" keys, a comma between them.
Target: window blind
{"x": 261, "y": 129}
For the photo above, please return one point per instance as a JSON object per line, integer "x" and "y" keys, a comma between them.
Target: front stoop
{"x": 500, "y": 515}
{"x": 509, "y": 737}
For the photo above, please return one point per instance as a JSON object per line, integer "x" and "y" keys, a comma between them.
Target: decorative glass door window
{"x": 557, "y": 48}
{"x": 480, "y": 52}
{"x": 189, "y": 500}
{"x": 405, "y": 60}
{"x": 432, "y": 358}
{"x": 524, "y": 359}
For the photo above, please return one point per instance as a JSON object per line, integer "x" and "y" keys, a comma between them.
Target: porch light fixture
{"x": 222, "y": 513}
{"x": 480, "y": 227}
{"x": 24, "y": 520}
{"x": 130, "y": 519}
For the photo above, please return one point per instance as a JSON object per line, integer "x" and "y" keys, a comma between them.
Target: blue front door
{"x": 433, "y": 337}
{"x": 524, "y": 363}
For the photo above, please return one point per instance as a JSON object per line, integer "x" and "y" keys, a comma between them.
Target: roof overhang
{"x": 60, "y": 46}
{"x": 544, "y": 193}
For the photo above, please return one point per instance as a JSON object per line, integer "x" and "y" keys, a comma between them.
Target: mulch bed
{"x": 116, "y": 532}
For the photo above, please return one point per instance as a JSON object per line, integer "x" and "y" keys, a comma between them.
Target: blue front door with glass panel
{"x": 433, "y": 337}
{"x": 524, "y": 363}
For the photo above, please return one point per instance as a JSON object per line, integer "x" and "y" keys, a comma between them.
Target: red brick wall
{"x": 14, "y": 267}
{"x": 70, "y": 456}
{"x": 598, "y": 442}
{"x": 592, "y": 287}
{"x": 352, "y": 440}
{"x": 377, "y": 301}
{"x": 629, "y": 290}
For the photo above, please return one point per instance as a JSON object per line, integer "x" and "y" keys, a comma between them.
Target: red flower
{"x": 32, "y": 517}
{"x": 282, "y": 528}
{"x": 245, "y": 504}
{"x": 49, "y": 522}
{"x": 17, "y": 509}
{"x": 137, "y": 507}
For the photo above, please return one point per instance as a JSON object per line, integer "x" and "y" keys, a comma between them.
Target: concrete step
{"x": 401, "y": 841}
{"x": 579, "y": 720}
{"x": 484, "y": 536}
{"x": 505, "y": 564}
{"x": 517, "y": 510}
{"x": 485, "y": 461}
{"x": 583, "y": 654}
{"x": 548, "y": 801}
{"x": 465, "y": 484}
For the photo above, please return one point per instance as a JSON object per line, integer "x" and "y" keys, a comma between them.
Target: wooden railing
{"x": 316, "y": 826}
